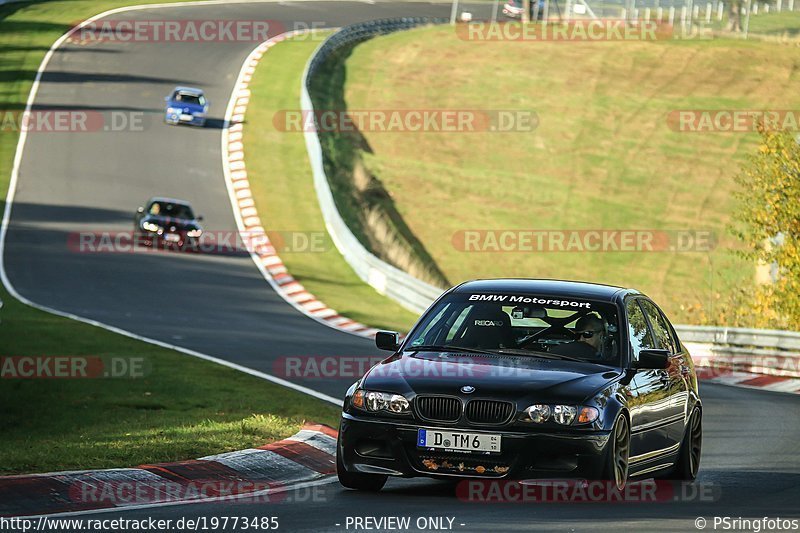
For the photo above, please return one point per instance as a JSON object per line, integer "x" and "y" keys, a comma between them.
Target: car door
{"x": 649, "y": 401}
{"x": 674, "y": 416}
{"x": 677, "y": 371}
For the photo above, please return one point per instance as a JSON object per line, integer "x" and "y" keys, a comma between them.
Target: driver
{"x": 589, "y": 331}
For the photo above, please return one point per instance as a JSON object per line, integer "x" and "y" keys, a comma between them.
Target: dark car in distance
{"x": 526, "y": 379}
{"x": 167, "y": 221}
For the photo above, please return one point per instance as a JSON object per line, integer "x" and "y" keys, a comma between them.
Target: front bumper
{"x": 152, "y": 238}
{"x": 390, "y": 447}
{"x": 190, "y": 119}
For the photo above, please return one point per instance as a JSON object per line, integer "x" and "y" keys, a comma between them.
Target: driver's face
{"x": 593, "y": 340}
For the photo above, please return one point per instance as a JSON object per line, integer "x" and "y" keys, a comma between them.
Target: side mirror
{"x": 652, "y": 360}
{"x": 387, "y": 340}
{"x": 140, "y": 210}
{"x": 200, "y": 218}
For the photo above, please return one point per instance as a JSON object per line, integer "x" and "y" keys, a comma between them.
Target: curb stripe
{"x": 267, "y": 260}
{"x": 305, "y": 456}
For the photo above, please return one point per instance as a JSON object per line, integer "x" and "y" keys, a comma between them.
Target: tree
{"x": 768, "y": 221}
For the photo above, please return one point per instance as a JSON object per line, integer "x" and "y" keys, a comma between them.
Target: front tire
{"x": 619, "y": 447}
{"x": 357, "y": 480}
{"x": 691, "y": 447}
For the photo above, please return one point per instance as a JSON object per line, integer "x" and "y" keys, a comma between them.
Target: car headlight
{"x": 564, "y": 415}
{"x": 171, "y": 110}
{"x": 194, "y": 233}
{"x": 538, "y": 413}
{"x": 150, "y": 226}
{"x": 380, "y": 401}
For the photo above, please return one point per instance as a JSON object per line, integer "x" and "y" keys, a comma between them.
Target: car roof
{"x": 165, "y": 200}
{"x": 550, "y": 287}
{"x": 189, "y": 90}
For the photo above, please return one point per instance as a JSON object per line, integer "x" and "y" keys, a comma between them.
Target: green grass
{"x": 603, "y": 156}
{"x": 282, "y": 184}
{"x": 779, "y": 24}
{"x": 182, "y": 409}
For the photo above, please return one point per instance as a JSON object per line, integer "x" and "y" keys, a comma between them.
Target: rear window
{"x": 188, "y": 98}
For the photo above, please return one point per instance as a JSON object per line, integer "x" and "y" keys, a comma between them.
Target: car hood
{"x": 516, "y": 378}
{"x": 177, "y": 223}
{"x": 190, "y": 108}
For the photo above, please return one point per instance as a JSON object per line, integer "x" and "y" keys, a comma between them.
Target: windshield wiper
{"x": 446, "y": 348}
{"x": 543, "y": 355}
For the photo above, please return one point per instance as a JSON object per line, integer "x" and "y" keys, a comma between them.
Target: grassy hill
{"x": 603, "y": 157}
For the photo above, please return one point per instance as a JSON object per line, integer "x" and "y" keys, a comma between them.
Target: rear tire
{"x": 357, "y": 480}
{"x": 690, "y": 451}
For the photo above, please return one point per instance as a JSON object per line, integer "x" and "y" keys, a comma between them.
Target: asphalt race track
{"x": 749, "y": 469}
{"x": 221, "y": 306}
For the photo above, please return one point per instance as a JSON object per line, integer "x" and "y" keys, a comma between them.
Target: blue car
{"x": 186, "y": 105}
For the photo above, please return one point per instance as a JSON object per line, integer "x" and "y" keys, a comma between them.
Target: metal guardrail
{"x": 408, "y": 291}
{"x": 728, "y": 349}
{"x": 757, "y": 351}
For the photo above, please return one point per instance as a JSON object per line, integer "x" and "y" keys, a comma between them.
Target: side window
{"x": 639, "y": 332}
{"x": 660, "y": 327}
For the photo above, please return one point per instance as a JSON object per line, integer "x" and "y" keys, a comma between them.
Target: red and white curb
{"x": 247, "y": 217}
{"x": 748, "y": 380}
{"x": 264, "y": 475}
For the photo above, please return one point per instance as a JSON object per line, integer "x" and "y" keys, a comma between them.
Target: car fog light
{"x": 564, "y": 414}
{"x": 538, "y": 413}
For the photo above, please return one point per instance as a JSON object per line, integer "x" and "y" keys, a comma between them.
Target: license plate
{"x": 172, "y": 237}
{"x": 187, "y": 118}
{"x": 445, "y": 439}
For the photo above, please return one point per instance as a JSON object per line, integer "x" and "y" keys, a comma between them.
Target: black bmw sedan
{"x": 166, "y": 221}
{"x": 526, "y": 379}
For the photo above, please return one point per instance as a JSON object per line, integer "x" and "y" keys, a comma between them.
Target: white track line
{"x": 12, "y": 187}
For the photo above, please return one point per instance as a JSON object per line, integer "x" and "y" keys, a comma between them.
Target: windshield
{"x": 166, "y": 209}
{"x": 532, "y": 324}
